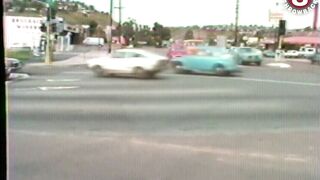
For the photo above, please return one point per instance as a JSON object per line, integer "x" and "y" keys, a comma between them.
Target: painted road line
{"x": 62, "y": 80}
{"x": 254, "y": 80}
{"x": 280, "y": 65}
{"x": 18, "y": 76}
{"x": 222, "y": 153}
{"x": 74, "y": 72}
{"x": 57, "y": 88}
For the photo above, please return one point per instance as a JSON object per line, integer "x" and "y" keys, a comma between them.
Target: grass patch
{"x": 23, "y": 55}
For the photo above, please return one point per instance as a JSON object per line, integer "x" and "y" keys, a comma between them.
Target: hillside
{"x": 73, "y": 18}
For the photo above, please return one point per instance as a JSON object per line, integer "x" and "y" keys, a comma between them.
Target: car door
{"x": 116, "y": 62}
{"x": 134, "y": 59}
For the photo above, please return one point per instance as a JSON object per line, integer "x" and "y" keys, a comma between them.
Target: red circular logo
{"x": 299, "y": 4}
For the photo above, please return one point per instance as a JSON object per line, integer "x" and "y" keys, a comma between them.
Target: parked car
{"x": 208, "y": 60}
{"x": 291, "y": 54}
{"x": 307, "y": 52}
{"x": 14, "y": 64}
{"x": 269, "y": 54}
{"x": 315, "y": 59}
{"x": 94, "y": 41}
{"x": 176, "y": 50}
{"x": 184, "y": 48}
{"x": 247, "y": 55}
{"x": 140, "y": 63}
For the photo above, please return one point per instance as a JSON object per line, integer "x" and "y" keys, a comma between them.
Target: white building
{"x": 22, "y": 31}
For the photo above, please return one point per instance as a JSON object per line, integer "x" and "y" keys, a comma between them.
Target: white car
{"x": 292, "y": 54}
{"x": 137, "y": 62}
{"x": 307, "y": 51}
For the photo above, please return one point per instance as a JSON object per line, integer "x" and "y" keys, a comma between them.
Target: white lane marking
{"x": 279, "y": 82}
{"x": 62, "y": 80}
{"x": 57, "y": 88}
{"x": 255, "y": 80}
{"x": 280, "y": 65}
{"x": 72, "y": 72}
{"x": 18, "y": 76}
{"x": 219, "y": 151}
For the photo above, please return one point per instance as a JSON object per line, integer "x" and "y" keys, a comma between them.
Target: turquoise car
{"x": 247, "y": 55}
{"x": 315, "y": 59}
{"x": 207, "y": 60}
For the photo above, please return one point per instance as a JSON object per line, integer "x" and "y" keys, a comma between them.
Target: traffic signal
{"x": 54, "y": 28}
{"x": 282, "y": 27}
{"x": 43, "y": 27}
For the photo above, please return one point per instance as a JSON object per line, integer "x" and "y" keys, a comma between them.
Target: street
{"x": 262, "y": 123}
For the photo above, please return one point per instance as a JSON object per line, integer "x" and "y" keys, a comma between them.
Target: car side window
{"x": 118, "y": 55}
{"x": 133, "y": 55}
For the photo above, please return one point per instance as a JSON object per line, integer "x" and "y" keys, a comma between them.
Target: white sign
{"x": 108, "y": 33}
{"x": 221, "y": 41}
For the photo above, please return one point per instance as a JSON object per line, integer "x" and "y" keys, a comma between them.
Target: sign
{"x": 221, "y": 41}
{"x": 300, "y": 7}
{"x": 108, "y": 33}
{"x": 275, "y": 14}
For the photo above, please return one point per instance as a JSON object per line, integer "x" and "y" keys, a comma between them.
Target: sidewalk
{"x": 79, "y": 59}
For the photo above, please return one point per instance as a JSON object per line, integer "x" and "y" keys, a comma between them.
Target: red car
{"x": 176, "y": 50}
{"x": 184, "y": 48}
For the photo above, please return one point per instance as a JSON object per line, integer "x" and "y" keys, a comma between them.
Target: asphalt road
{"x": 260, "y": 124}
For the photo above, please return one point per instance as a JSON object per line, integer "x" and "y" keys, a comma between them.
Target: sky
{"x": 200, "y": 12}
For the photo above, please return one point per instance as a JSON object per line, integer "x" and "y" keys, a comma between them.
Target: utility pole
{"x": 49, "y": 54}
{"x": 236, "y": 24}
{"x": 315, "y": 18}
{"x": 120, "y": 23}
{"x": 110, "y": 21}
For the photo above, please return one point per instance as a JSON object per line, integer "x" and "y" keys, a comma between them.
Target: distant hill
{"x": 74, "y": 13}
{"x": 73, "y": 18}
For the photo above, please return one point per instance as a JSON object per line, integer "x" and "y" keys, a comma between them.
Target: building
{"x": 22, "y": 31}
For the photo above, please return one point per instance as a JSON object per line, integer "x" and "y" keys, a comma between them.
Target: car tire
{"x": 219, "y": 70}
{"x": 98, "y": 71}
{"x": 140, "y": 73}
{"x": 258, "y": 63}
{"x": 177, "y": 70}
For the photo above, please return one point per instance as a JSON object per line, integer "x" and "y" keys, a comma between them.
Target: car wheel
{"x": 258, "y": 63}
{"x": 140, "y": 73}
{"x": 219, "y": 70}
{"x": 98, "y": 71}
{"x": 177, "y": 70}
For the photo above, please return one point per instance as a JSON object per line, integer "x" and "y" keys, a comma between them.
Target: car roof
{"x": 132, "y": 50}
{"x": 140, "y": 51}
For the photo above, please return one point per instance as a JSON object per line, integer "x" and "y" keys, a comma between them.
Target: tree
{"x": 92, "y": 26}
{"x": 166, "y": 34}
{"x": 160, "y": 33}
{"x": 189, "y": 34}
{"x": 91, "y": 8}
{"x": 128, "y": 29}
{"x": 36, "y": 5}
{"x": 20, "y": 4}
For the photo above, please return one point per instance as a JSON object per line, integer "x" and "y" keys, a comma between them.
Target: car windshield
{"x": 246, "y": 50}
{"x": 213, "y": 52}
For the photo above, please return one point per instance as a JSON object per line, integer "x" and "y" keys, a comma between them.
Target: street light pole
{"x": 236, "y": 24}
{"x": 120, "y": 23}
{"x": 49, "y": 54}
{"x": 110, "y": 21}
